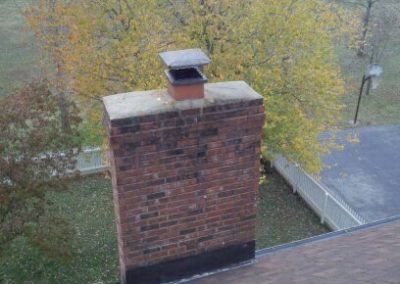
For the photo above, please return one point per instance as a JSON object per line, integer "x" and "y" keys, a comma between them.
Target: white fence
{"x": 332, "y": 209}
{"x": 91, "y": 160}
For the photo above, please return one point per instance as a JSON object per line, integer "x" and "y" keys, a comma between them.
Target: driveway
{"x": 367, "y": 174}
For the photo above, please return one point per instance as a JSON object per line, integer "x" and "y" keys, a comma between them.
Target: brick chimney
{"x": 185, "y": 171}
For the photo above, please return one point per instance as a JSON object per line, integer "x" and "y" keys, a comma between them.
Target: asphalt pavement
{"x": 367, "y": 174}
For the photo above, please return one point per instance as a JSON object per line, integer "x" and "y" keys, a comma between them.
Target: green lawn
{"x": 88, "y": 206}
{"x": 382, "y": 106}
{"x": 18, "y": 57}
{"x": 283, "y": 217}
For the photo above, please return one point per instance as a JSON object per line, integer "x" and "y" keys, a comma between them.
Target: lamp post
{"x": 373, "y": 71}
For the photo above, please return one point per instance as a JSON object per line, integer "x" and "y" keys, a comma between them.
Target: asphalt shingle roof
{"x": 366, "y": 255}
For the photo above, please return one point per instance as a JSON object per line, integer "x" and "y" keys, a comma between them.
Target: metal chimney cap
{"x": 185, "y": 58}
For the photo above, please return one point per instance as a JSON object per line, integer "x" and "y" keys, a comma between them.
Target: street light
{"x": 373, "y": 71}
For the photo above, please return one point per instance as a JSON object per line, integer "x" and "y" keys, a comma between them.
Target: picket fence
{"x": 91, "y": 160}
{"x": 330, "y": 207}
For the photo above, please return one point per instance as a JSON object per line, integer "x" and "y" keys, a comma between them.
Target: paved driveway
{"x": 367, "y": 174}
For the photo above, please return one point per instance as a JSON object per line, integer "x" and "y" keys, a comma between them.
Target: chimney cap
{"x": 185, "y": 58}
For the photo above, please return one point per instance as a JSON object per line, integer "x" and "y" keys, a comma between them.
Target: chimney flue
{"x": 184, "y": 75}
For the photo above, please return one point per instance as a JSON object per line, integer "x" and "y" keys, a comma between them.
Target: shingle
{"x": 369, "y": 255}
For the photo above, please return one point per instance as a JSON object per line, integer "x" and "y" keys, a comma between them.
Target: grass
{"x": 382, "y": 106}
{"x": 283, "y": 217}
{"x": 18, "y": 56}
{"x": 88, "y": 206}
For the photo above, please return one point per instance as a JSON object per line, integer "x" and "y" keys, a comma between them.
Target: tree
{"x": 378, "y": 16}
{"x": 51, "y": 36}
{"x": 35, "y": 156}
{"x": 368, "y": 6}
{"x": 95, "y": 49}
{"x": 379, "y": 21}
{"x": 283, "y": 48}
{"x": 386, "y": 20}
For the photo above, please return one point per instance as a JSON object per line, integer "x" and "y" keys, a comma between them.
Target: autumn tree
{"x": 283, "y": 48}
{"x": 35, "y": 157}
{"x": 94, "y": 49}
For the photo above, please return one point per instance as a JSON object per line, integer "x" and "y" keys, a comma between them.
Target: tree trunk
{"x": 367, "y": 19}
{"x": 64, "y": 116}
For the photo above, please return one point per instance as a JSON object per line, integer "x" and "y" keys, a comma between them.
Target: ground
{"x": 367, "y": 174}
{"x": 382, "y": 106}
{"x": 284, "y": 217}
{"x": 18, "y": 55}
{"x": 88, "y": 205}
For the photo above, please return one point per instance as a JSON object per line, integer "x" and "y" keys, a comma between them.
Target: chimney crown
{"x": 185, "y": 78}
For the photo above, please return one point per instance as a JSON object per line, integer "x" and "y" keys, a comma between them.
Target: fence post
{"x": 340, "y": 214}
{"x": 324, "y": 208}
{"x": 297, "y": 178}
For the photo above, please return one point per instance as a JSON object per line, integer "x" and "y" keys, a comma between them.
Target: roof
{"x": 368, "y": 254}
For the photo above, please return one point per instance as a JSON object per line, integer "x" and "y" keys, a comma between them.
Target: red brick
{"x": 185, "y": 181}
